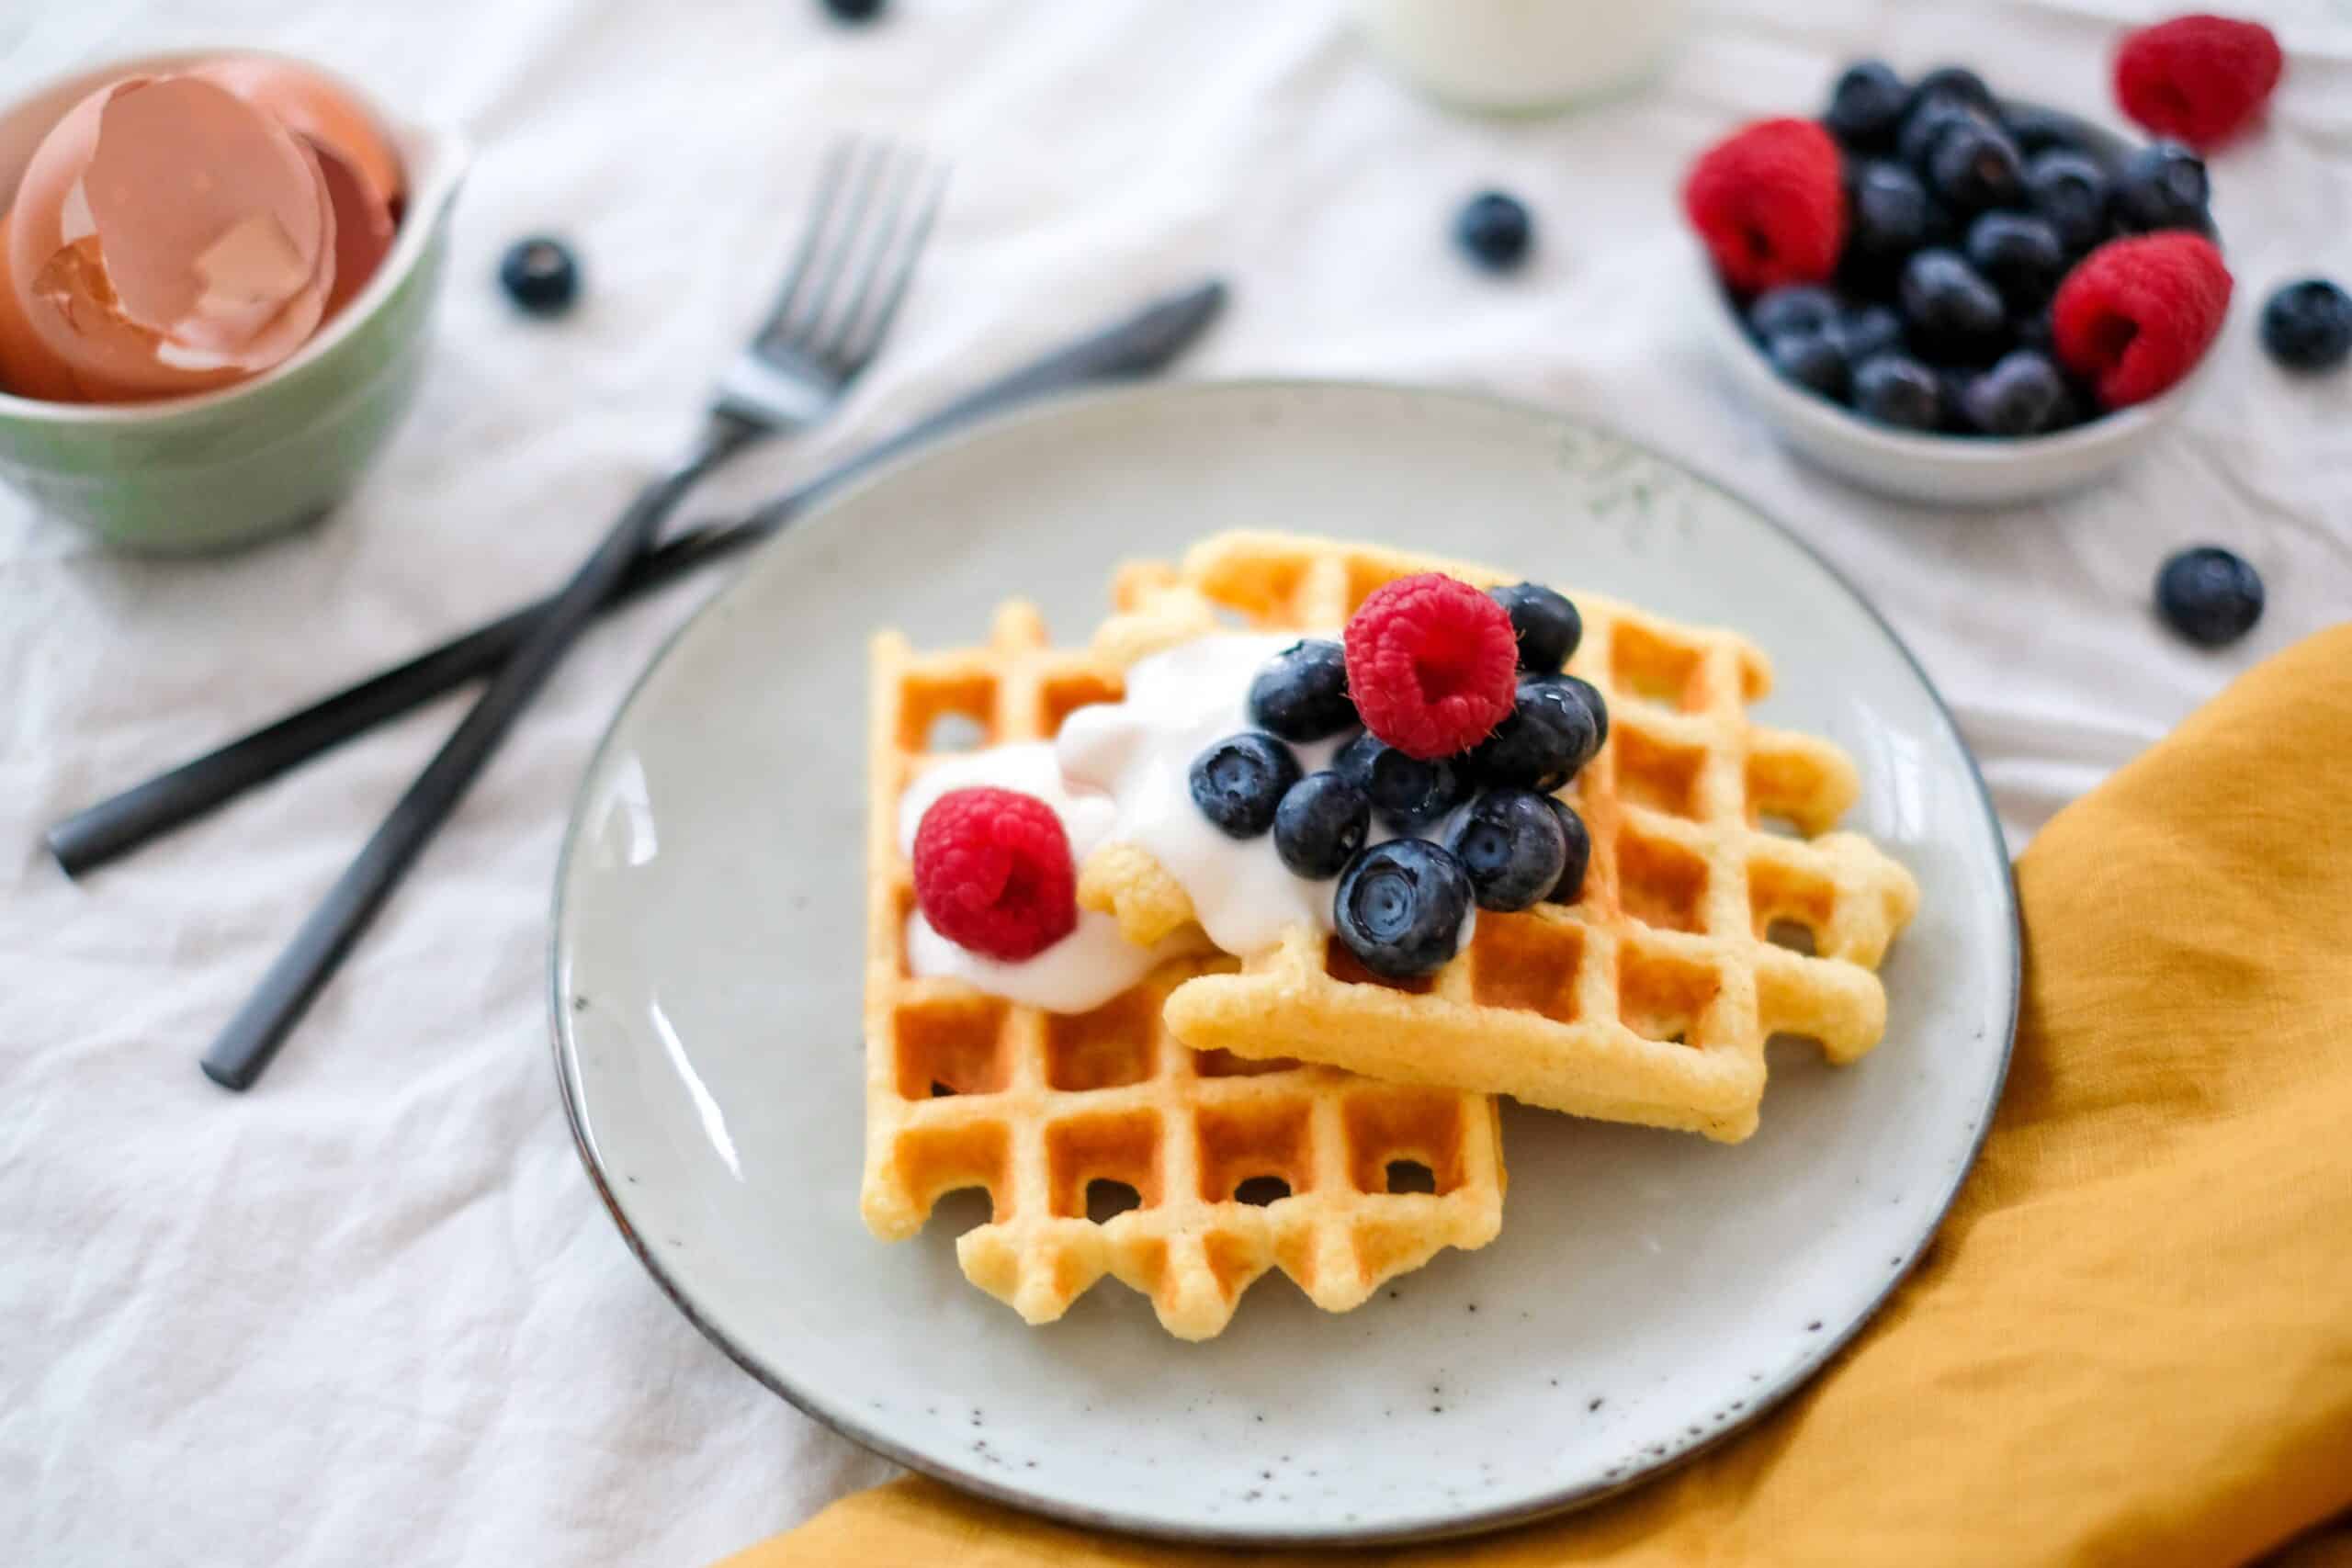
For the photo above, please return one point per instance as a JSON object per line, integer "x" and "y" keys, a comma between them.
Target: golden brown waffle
{"x": 1699, "y": 934}
{"x": 964, "y": 1089}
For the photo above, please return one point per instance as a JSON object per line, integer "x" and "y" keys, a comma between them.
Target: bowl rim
{"x": 434, "y": 159}
{"x": 1833, "y": 421}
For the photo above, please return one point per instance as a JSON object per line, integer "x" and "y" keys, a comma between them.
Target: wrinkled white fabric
{"x": 373, "y": 1312}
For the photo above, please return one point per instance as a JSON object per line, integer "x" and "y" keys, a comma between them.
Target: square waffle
{"x": 1699, "y": 933}
{"x": 1234, "y": 1165}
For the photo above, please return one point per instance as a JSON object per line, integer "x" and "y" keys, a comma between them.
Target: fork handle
{"x": 244, "y": 1047}
{"x": 109, "y": 829}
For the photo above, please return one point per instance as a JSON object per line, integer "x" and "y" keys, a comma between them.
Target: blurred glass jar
{"x": 1523, "y": 56}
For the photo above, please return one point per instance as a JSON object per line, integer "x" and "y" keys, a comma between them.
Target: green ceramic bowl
{"x": 201, "y": 473}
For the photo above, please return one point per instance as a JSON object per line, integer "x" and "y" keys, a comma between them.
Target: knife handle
{"x": 114, "y": 827}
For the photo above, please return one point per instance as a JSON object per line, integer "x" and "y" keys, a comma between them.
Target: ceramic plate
{"x": 1650, "y": 1292}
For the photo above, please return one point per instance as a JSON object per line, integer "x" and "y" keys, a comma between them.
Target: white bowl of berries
{"x": 1953, "y": 297}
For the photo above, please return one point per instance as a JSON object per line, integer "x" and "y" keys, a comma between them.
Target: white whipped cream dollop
{"x": 1139, "y": 753}
{"x": 1122, "y": 773}
{"x": 1084, "y": 969}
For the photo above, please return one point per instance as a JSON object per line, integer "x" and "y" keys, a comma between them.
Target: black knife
{"x": 1139, "y": 346}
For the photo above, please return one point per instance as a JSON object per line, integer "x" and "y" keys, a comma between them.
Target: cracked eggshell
{"x": 27, "y": 366}
{"x": 367, "y": 186}
{"x": 171, "y": 235}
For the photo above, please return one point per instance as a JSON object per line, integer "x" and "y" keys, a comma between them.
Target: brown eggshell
{"x": 178, "y": 232}
{"x": 28, "y": 368}
{"x": 37, "y": 228}
{"x": 189, "y": 239}
{"x": 211, "y": 216}
{"x": 61, "y": 291}
{"x": 312, "y": 105}
{"x": 363, "y": 232}
{"x": 208, "y": 338}
{"x": 365, "y": 179}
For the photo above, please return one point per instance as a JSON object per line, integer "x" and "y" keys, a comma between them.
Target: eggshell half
{"x": 170, "y": 237}
{"x": 177, "y": 232}
{"x": 366, "y": 183}
{"x": 63, "y": 293}
{"x": 211, "y": 217}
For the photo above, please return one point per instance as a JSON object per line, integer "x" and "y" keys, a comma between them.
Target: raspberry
{"x": 2198, "y": 79}
{"x": 1770, "y": 204}
{"x": 1431, "y": 664}
{"x": 2135, "y": 315}
{"x": 993, "y": 872}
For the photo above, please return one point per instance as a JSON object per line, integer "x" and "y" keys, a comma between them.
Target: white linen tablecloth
{"x": 373, "y": 1312}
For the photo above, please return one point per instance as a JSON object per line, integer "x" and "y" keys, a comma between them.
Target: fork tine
{"x": 872, "y": 265}
{"x": 854, "y": 352}
{"x": 820, "y": 206}
{"x": 797, "y": 326}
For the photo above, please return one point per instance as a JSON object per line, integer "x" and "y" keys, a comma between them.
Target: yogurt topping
{"x": 1122, "y": 773}
{"x": 1139, "y": 753}
{"x": 1084, "y": 969}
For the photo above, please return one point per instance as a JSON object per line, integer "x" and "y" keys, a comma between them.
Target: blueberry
{"x": 1239, "y": 782}
{"x": 1511, "y": 847}
{"x": 1320, "y": 824}
{"x": 2036, "y": 130}
{"x": 1974, "y": 167}
{"x": 1896, "y": 389}
{"x": 1494, "y": 229}
{"x": 2210, "y": 595}
{"x": 1866, "y": 106}
{"x": 2078, "y": 406}
{"x": 1552, "y": 729}
{"x": 1926, "y": 126}
{"x": 1594, "y": 703}
{"x": 2031, "y": 331}
{"x": 855, "y": 10}
{"x": 1949, "y": 306}
{"x": 1891, "y": 214}
{"x": 1866, "y": 332}
{"x": 1400, "y": 907}
{"x": 2022, "y": 256}
{"x": 1570, "y": 887}
{"x": 540, "y": 275}
{"x": 2308, "y": 325}
{"x": 1811, "y": 360}
{"x": 1800, "y": 307}
{"x": 1956, "y": 84}
{"x": 1301, "y": 693}
{"x": 2163, "y": 185}
{"x": 2069, "y": 192}
{"x": 2019, "y": 396}
{"x": 1407, "y": 793}
{"x": 1951, "y": 392}
{"x": 1546, "y": 622}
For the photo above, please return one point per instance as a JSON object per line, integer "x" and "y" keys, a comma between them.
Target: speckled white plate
{"x": 1650, "y": 1291}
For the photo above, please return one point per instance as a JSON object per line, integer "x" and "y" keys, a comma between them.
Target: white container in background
{"x": 1522, "y": 54}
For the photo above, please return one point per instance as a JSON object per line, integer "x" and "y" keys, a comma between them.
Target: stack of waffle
{"x": 1293, "y": 1110}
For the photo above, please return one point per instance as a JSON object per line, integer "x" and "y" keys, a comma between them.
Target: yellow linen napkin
{"x": 2131, "y": 1340}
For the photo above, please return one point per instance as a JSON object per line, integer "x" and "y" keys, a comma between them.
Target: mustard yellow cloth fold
{"x": 2131, "y": 1340}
